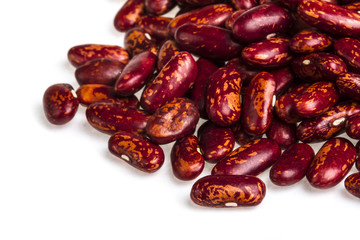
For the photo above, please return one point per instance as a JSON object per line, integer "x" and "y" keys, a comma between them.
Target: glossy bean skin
{"x": 207, "y": 41}
{"x": 244, "y": 4}
{"x": 112, "y": 117}
{"x": 292, "y": 165}
{"x": 316, "y": 99}
{"x": 215, "y": 142}
{"x": 173, "y": 81}
{"x": 93, "y": 93}
{"x": 228, "y": 191}
{"x": 268, "y": 53}
{"x": 81, "y": 54}
{"x": 60, "y": 103}
{"x": 215, "y": 15}
{"x": 159, "y": 7}
{"x": 136, "y": 41}
{"x": 327, "y": 125}
{"x": 352, "y": 184}
{"x": 348, "y": 85}
{"x": 282, "y": 133}
{"x": 223, "y": 104}
{"x": 331, "y": 163}
{"x": 156, "y": 26}
{"x": 293, "y": 4}
{"x": 257, "y": 104}
{"x": 198, "y": 93}
{"x": 241, "y": 137}
{"x": 318, "y": 67}
{"x": 137, "y": 151}
{"x": 99, "y": 71}
{"x": 260, "y": 21}
{"x": 135, "y": 74}
{"x": 187, "y": 163}
{"x": 352, "y": 128}
{"x": 309, "y": 41}
{"x": 348, "y": 49}
{"x": 230, "y": 21}
{"x": 250, "y": 159}
{"x": 352, "y": 6}
{"x": 246, "y": 72}
{"x": 173, "y": 121}
{"x": 129, "y": 14}
{"x": 283, "y": 78}
{"x": 201, "y": 2}
{"x": 330, "y": 18}
{"x": 167, "y": 50}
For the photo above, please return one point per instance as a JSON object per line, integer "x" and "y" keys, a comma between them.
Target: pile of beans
{"x": 272, "y": 76}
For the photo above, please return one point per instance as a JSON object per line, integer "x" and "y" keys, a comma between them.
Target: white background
{"x": 60, "y": 182}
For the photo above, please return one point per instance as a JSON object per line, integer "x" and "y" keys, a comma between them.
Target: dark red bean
{"x": 353, "y": 126}
{"x": 357, "y": 161}
{"x": 331, "y": 163}
{"x": 137, "y": 151}
{"x": 167, "y": 50}
{"x": 292, "y": 165}
{"x": 159, "y": 7}
{"x": 155, "y": 26}
{"x": 246, "y": 72}
{"x": 283, "y": 78}
{"x": 309, "y": 41}
{"x": 352, "y": 184}
{"x": 128, "y": 15}
{"x": 137, "y": 41}
{"x": 282, "y": 133}
{"x": 187, "y": 163}
{"x": 228, "y": 191}
{"x": 241, "y": 137}
{"x": 348, "y": 49}
{"x": 60, "y": 103}
{"x": 348, "y": 85}
{"x": 244, "y": 4}
{"x": 250, "y": 159}
{"x": 173, "y": 121}
{"x": 230, "y": 21}
{"x": 200, "y": 2}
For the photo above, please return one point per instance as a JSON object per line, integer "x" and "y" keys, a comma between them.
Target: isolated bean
{"x": 187, "y": 163}
{"x": 207, "y": 41}
{"x": 99, "y": 71}
{"x": 348, "y": 85}
{"x": 292, "y": 165}
{"x": 173, "y": 121}
{"x": 60, "y": 103}
{"x": 159, "y": 7}
{"x": 81, "y": 54}
{"x": 260, "y": 21}
{"x": 283, "y": 78}
{"x": 352, "y": 184}
{"x": 174, "y": 80}
{"x": 137, "y": 151}
{"x": 112, "y": 117}
{"x": 215, "y": 142}
{"x": 93, "y": 93}
{"x": 135, "y": 74}
{"x": 353, "y": 126}
{"x": 331, "y": 163}
{"x": 129, "y": 14}
{"x": 282, "y": 133}
{"x": 246, "y": 72}
{"x": 228, "y": 191}
{"x": 155, "y": 26}
{"x": 309, "y": 41}
{"x": 250, "y": 159}
{"x": 167, "y": 50}
{"x": 137, "y": 41}
{"x": 257, "y": 104}
{"x": 348, "y": 49}
{"x": 223, "y": 104}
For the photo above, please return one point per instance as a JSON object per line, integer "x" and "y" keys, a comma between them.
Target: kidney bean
{"x": 112, "y": 117}
{"x": 129, "y": 14}
{"x": 137, "y": 151}
{"x": 352, "y": 126}
{"x": 174, "y": 80}
{"x": 167, "y": 50}
{"x": 246, "y": 72}
{"x": 228, "y": 191}
{"x": 327, "y": 125}
{"x": 268, "y": 53}
{"x": 260, "y": 21}
{"x": 316, "y": 99}
{"x": 318, "y": 67}
{"x": 215, "y": 142}
{"x": 241, "y": 137}
{"x": 99, "y": 71}
{"x": 135, "y": 74}
{"x": 223, "y": 104}
{"x": 355, "y": 6}
{"x": 292, "y": 165}
{"x": 198, "y": 93}
{"x": 60, "y": 103}
{"x": 348, "y": 85}
{"x": 215, "y": 15}
{"x": 200, "y": 2}
{"x": 250, "y": 159}
{"x": 352, "y": 184}
{"x": 186, "y": 161}
{"x": 138, "y": 41}
{"x": 330, "y": 18}
{"x": 257, "y": 104}
{"x": 282, "y": 133}
{"x": 81, "y": 54}
{"x": 331, "y": 163}
{"x": 309, "y": 41}
{"x": 293, "y": 4}
{"x": 348, "y": 49}
{"x": 207, "y": 41}
{"x": 283, "y": 78}
{"x": 173, "y": 121}
{"x": 155, "y": 26}
{"x": 244, "y": 4}
{"x": 93, "y": 93}
{"x": 357, "y": 161}
{"x": 230, "y": 20}
{"x": 159, "y": 7}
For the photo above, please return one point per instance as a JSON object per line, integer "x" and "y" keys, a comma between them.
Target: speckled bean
{"x": 129, "y": 14}
{"x": 348, "y": 85}
{"x": 352, "y": 184}
{"x": 352, "y": 126}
